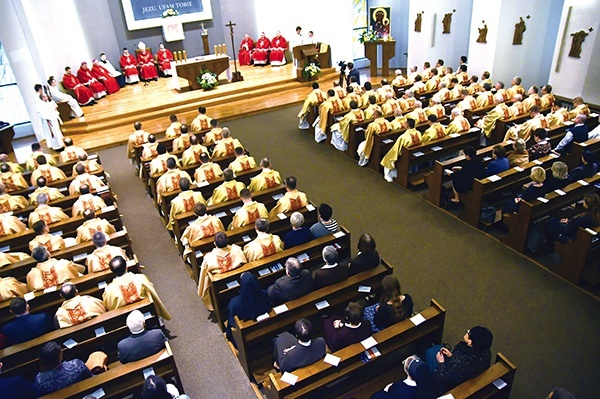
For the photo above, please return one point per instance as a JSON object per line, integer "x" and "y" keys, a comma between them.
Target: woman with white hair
{"x": 299, "y": 234}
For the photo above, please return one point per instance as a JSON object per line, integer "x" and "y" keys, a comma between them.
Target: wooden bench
{"x": 168, "y": 143}
{"x": 483, "y": 386}
{"x": 356, "y": 135}
{"x": 66, "y": 167}
{"x": 255, "y": 339}
{"x": 224, "y": 286}
{"x": 225, "y": 211}
{"x": 529, "y": 211}
{"x": 125, "y": 380}
{"x": 575, "y": 255}
{"x": 574, "y": 158}
{"x": 62, "y": 185}
{"x": 323, "y": 380}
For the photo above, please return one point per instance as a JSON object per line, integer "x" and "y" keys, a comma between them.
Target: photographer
{"x": 352, "y": 73}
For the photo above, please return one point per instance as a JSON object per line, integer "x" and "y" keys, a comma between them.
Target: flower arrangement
{"x": 169, "y": 12}
{"x": 368, "y": 36}
{"x": 207, "y": 79}
{"x": 311, "y": 70}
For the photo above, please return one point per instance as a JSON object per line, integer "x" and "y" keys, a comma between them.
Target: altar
{"x": 190, "y": 69}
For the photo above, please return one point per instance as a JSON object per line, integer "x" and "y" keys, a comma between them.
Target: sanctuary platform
{"x": 110, "y": 121}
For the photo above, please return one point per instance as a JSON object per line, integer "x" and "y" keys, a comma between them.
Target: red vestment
{"x": 278, "y": 47}
{"x": 147, "y": 67}
{"x": 246, "y": 47}
{"x": 82, "y": 93}
{"x": 102, "y": 74}
{"x": 85, "y": 77}
{"x": 164, "y": 59}
{"x": 261, "y": 52}
{"x": 128, "y": 64}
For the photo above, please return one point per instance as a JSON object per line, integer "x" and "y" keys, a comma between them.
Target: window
{"x": 12, "y": 106}
{"x": 359, "y": 25}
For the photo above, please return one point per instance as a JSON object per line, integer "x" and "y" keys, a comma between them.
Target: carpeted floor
{"x": 545, "y": 326}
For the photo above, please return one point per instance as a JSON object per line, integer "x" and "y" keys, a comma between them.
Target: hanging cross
{"x": 237, "y": 75}
{"x": 202, "y": 25}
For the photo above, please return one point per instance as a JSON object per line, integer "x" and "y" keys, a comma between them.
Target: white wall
{"x": 578, "y": 76}
{"x": 481, "y": 56}
{"x": 431, "y": 44}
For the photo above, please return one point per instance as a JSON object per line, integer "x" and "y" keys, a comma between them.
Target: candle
{"x": 215, "y": 46}
{"x": 185, "y": 55}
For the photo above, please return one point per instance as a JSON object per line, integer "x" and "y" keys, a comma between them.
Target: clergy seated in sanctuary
{"x": 226, "y": 146}
{"x": 170, "y": 180}
{"x": 519, "y": 155}
{"x": 90, "y": 165}
{"x": 36, "y": 150}
{"x": 326, "y": 224}
{"x": 51, "y": 173}
{"x": 164, "y": 57}
{"x": 76, "y": 308}
{"x": 174, "y": 128}
{"x": 265, "y": 244}
{"x": 331, "y": 272}
{"x": 249, "y": 212}
{"x": 417, "y": 384}
{"x": 146, "y": 64}
{"x": 55, "y": 373}
{"x": 159, "y": 164}
{"x": 50, "y": 272}
{"x": 525, "y": 129}
{"x": 277, "y": 50}
{"x": 411, "y": 137}
{"x": 340, "y": 131}
{"x": 292, "y": 200}
{"x": 201, "y": 121}
{"x": 245, "y": 50}
{"x": 9, "y": 202}
{"x": 340, "y": 332}
{"x": 99, "y": 260}
{"x": 43, "y": 237}
{"x": 105, "y": 62}
{"x": 84, "y": 74}
{"x": 467, "y": 360}
{"x": 463, "y": 176}
{"x": 127, "y": 288}
{"x": 10, "y": 287}
{"x": 296, "y": 283}
{"x": 355, "y": 84}
{"x": 558, "y": 116}
{"x": 223, "y": 258}
{"x": 142, "y": 342}
{"x": 103, "y": 76}
{"x": 292, "y": 352}
{"x": 182, "y": 142}
{"x": 149, "y": 149}
{"x": 84, "y": 178}
{"x": 26, "y": 326}
{"x": 299, "y": 234}
{"x": 488, "y": 123}
{"x": 83, "y": 94}
{"x": 128, "y": 65}
{"x": 579, "y": 107}
{"x": 91, "y": 225}
{"x": 14, "y": 167}
{"x": 71, "y": 151}
{"x": 207, "y": 170}
{"x": 87, "y": 200}
{"x": 214, "y": 134}
{"x": 314, "y": 99}
{"x": 435, "y": 130}
{"x": 45, "y": 212}
{"x": 577, "y": 133}
{"x": 10, "y": 224}
{"x": 372, "y": 106}
{"x": 378, "y": 126}
{"x": 242, "y": 161}
{"x": 332, "y": 105}
{"x": 393, "y": 306}
{"x": 229, "y": 190}
{"x": 184, "y": 202}
{"x": 267, "y": 178}
{"x": 59, "y": 96}
{"x": 137, "y": 138}
{"x": 8, "y": 258}
{"x": 204, "y": 226}
{"x": 533, "y": 99}
{"x": 191, "y": 156}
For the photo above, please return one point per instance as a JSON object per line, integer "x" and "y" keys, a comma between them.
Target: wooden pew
{"x": 266, "y": 197}
{"x": 66, "y": 167}
{"x": 574, "y": 158}
{"x": 168, "y": 142}
{"x": 19, "y": 242}
{"x": 519, "y": 223}
{"x": 321, "y": 380}
{"x": 483, "y": 385}
{"x": 430, "y": 152}
{"x": 224, "y": 286}
{"x": 575, "y": 255}
{"x": 124, "y": 380}
{"x": 244, "y": 234}
{"x": 250, "y": 335}
{"x": 357, "y": 134}
{"x": 22, "y": 359}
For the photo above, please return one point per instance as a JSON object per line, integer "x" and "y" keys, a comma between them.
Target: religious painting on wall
{"x": 379, "y": 20}
{"x": 142, "y": 14}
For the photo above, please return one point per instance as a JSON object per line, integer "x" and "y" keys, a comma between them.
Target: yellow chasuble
{"x": 52, "y": 192}
{"x": 135, "y": 140}
{"x": 173, "y": 130}
{"x": 86, "y": 231}
{"x": 201, "y": 122}
{"x": 433, "y": 132}
{"x": 13, "y": 181}
{"x": 169, "y": 182}
{"x": 227, "y": 191}
{"x": 399, "y": 123}
{"x": 191, "y": 156}
{"x": 532, "y": 100}
{"x": 130, "y": 288}
{"x": 10, "y": 288}
{"x": 418, "y": 115}
{"x": 182, "y": 142}
{"x": 378, "y": 126}
{"x": 268, "y": 178}
{"x": 438, "y": 110}
{"x": 525, "y": 130}
{"x": 547, "y": 100}
{"x": 92, "y": 181}
{"x": 215, "y": 134}
{"x": 408, "y": 139}
{"x": 150, "y": 151}
{"x": 241, "y": 163}
{"x": 458, "y": 125}
{"x": 184, "y": 202}
{"x": 370, "y": 110}
{"x": 49, "y": 214}
{"x": 79, "y": 309}
{"x": 514, "y": 90}
{"x": 485, "y": 99}
{"x": 488, "y": 122}
{"x": 354, "y": 116}
{"x": 263, "y": 246}
{"x": 8, "y": 258}
{"x": 31, "y": 163}
{"x": 219, "y": 260}
{"x": 159, "y": 164}
{"x": 12, "y": 202}
{"x": 314, "y": 98}
{"x": 90, "y": 166}
{"x": 51, "y": 273}
{"x": 87, "y": 201}
{"x": 51, "y": 173}
{"x": 207, "y": 171}
{"x": 330, "y": 106}
{"x": 390, "y": 106}
{"x": 226, "y": 147}
{"x": 291, "y": 201}
{"x": 99, "y": 260}
{"x": 558, "y": 117}
{"x": 248, "y": 214}
{"x": 580, "y": 109}
{"x": 10, "y": 224}
{"x": 202, "y": 227}
{"x": 51, "y": 242}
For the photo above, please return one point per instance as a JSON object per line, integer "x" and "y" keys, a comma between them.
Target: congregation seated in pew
{"x": 292, "y": 200}
{"x": 26, "y": 326}
{"x": 91, "y": 225}
{"x": 50, "y": 172}
{"x": 182, "y": 141}
{"x": 299, "y": 350}
{"x": 296, "y": 283}
{"x": 205, "y": 225}
{"x": 393, "y": 306}
{"x": 340, "y": 332}
{"x": 8, "y": 258}
{"x": 76, "y": 308}
{"x": 409, "y": 138}
{"x": 563, "y": 229}
{"x": 138, "y": 137}
{"x": 519, "y": 155}
{"x": 326, "y": 224}
{"x": 104, "y": 253}
{"x": 265, "y": 244}
{"x": 55, "y": 373}
{"x": 214, "y": 134}
{"x": 587, "y": 168}
{"x": 201, "y": 121}
{"x": 142, "y": 342}
{"x": 159, "y": 164}
{"x": 299, "y": 234}
{"x": 534, "y": 190}
{"x": 379, "y": 125}
{"x": 249, "y": 212}
{"x": 49, "y": 272}
{"x": 418, "y": 383}
{"x": 331, "y": 272}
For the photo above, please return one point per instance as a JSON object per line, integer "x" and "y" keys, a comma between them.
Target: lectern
{"x": 308, "y": 53}
{"x": 388, "y": 50}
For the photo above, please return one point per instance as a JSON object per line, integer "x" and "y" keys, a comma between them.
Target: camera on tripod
{"x": 343, "y": 65}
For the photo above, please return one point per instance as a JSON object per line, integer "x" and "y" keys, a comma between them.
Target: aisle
{"x": 207, "y": 367}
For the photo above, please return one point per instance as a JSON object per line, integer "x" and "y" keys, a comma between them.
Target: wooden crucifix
{"x": 237, "y": 76}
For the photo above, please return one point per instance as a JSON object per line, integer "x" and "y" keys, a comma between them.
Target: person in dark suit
{"x": 587, "y": 168}
{"x": 367, "y": 258}
{"x": 352, "y": 73}
{"x": 141, "y": 343}
{"x": 298, "y": 235}
{"x": 341, "y": 332}
{"x": 578, "y": 133}
{"x": 331, "y": 272}
{"x": 291, "y": 352}
{"x": 27, "y": 326}
{"x": 296, "y": 283}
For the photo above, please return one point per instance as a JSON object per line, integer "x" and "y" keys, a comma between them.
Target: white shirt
{"x": 110, "y": 68}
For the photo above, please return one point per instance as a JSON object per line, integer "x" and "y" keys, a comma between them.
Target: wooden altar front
{"x": 191, "y": 68}
{"x": 388, "y": 50}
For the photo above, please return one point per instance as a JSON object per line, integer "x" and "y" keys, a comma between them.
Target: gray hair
{"x": 330, "y": 255}
{"x": 297, "y": 219}
{"x": 42, "y": 198}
